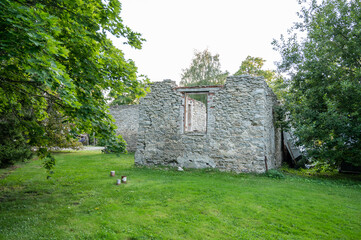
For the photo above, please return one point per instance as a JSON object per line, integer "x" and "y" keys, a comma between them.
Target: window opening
{"x": 195, "y": 114}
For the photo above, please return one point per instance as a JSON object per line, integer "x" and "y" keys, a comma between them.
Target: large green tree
{"x": 56, "y": 52}
{"x": 205, "y": 69}
{"x": 254, "y": 66}
{"x": 325, "y": 79}
{"x": 130, "y": 97}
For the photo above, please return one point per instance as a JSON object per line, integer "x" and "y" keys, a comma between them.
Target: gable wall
{"x": 240, "y": 131}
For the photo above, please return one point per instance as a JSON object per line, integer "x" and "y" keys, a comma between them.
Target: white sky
{"x": 232, "y": 28}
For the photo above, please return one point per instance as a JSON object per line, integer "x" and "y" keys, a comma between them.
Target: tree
{"x": 56, "y": 52}
{"x": 124, "y": 99}
{"x": 58, "y": 130}
{"x": 324, "y": 103}
{"x": 253, "y": 66}
{"x": 13, "y": 145}
{"x": 129, "y": 98}
{"x": 205, "y": 69}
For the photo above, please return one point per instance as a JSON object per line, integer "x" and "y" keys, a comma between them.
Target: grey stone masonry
{"x": 240, "y": 135}
{"x": 126, "y": 120}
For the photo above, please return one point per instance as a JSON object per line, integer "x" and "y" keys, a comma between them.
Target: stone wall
{"x": 273, "y": 135}
{"x": 126, "y": 119}
{"x": 239, "y": 136}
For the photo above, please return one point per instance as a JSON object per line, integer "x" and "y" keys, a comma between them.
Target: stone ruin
{"x": 126, "y": 120}
{"x": 228, "y": 127}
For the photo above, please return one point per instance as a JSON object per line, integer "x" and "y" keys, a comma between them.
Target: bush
{"x": 115, "y": 145}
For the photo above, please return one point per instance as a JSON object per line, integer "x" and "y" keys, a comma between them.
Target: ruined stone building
{"x": 126, "y": 119}
{"x": 228, "y": 127}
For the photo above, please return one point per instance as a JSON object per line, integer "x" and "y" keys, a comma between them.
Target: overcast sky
{"x": 174, "y": 29}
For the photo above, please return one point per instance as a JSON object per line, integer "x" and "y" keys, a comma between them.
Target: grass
{"x": 81, "y": 201}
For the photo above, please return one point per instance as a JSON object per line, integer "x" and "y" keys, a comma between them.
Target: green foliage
{"x": 48, "y": 160}
{"x": 324, "y": 167}
{"x": 319, "y": 171}
{"x": 13, "y": 145}
{"x": 132, "y": 96}
{"x": 273, "y": 173}
{"x": 56, "y": 52}
{"x": 59, "y": 131}
{"x": 125, "y": 99}
{"x": 204, "y": 70}
{"x": 81, "y": 201}
{"x": 324, "y": 103}
{"x": 199, "y": 97}
{"x": 115, "y": 145}
{"x": 253, "y": 66}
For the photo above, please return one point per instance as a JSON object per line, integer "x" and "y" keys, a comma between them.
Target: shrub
{"x": 115, "y": 145}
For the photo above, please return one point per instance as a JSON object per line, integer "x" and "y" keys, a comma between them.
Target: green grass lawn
{"x": 81, "y": 201}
